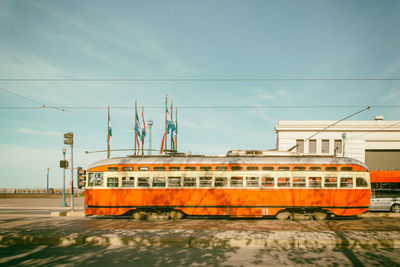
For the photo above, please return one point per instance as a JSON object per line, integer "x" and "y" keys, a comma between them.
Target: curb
{"x": 380, "y": 214}
{"x": 193, "y": 242}
{"x": 68, "y": 213}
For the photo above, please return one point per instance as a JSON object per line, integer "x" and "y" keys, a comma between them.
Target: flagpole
{"x": 172, "y": 132}
{"x": 166, "y": 105}
{"x": 176, "y": 130}
{"x": 108, "y": 133}
{"x": 143, "y": 133}
{"x": 134, "y": 127}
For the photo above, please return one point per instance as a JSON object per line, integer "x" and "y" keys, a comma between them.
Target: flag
{"x": 143, "y": 126}
{"x": 137, "y": 130}
{"x": 167, "y": 123}
{"x": 109, "y": 134}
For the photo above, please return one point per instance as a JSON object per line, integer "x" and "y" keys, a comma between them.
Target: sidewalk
{"x": 40, "y": 203}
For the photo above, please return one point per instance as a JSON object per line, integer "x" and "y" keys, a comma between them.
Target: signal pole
{"x": 69, "y": 140}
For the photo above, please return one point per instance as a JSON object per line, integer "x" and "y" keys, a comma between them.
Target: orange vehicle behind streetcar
{"x": 241, "y": 184}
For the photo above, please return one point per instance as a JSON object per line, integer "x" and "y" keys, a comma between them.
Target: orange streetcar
{"x": 240, "y": 184}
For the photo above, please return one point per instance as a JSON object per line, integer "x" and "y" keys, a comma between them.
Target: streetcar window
{"x": 128, "y": 181}
{"x": 330, "y": 169}
{"x": 299, "y": 168}
{"x": 315, "y": 168}
{"x": 268, "y": 181}
{"x": 236, "y": 181}
{"x": 127, "y": 168}
{"x": 143, "y": 182}
{"x": 112, "y": 182}
{"x": 283, "y": 182}
{"x": 283, "y": 168}
{"x": 174, "y": 181}
{"x": 221, "y": 182}
{"x": 189, "y": 181}
{"x": 236, "y": 168}
{"x": 159, "y": 168}
{"x": 299, "y": 182}
{"x": 97, "y": 180}
{"x": 221, "y": 168}
{"x": 205, "y": 182}
{"x": 143, "y": 168}
{"x": 174, "y": 168}
{"x": 361, "y": 182}
{"x": 314, "y": 182}
{"x": 252, "y": 181}
{"x": 346, "y": 182}
{"x": 268, "y": 168}
{"x": 330, "y": 182}
{"x": 159, "y": 182}
{"x": 112, "y": 169}
{"x": 252, "y": 168}
{"x": 347, "y": 169}
{"x": 190, "y": 168}
{"x": 91, "y": 179}
{"x": 205, "y": 168}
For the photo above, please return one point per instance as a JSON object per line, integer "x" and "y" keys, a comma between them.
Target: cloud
{"x": 30, "y": 131}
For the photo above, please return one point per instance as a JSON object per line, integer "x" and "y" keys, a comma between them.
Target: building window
{"x": 338, "y": 146}
{"x": 300, "y": 146}
{"x": 312, "y": 146}
{"x": 325, "y": 146}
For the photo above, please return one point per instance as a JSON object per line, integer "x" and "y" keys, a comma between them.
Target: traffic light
{"x": 69, "y": 138}
{"x": 64, "y": 164}
{"x": 81, "y": 174}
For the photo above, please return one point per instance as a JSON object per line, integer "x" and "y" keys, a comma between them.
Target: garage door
{"x": 383, "y": 159}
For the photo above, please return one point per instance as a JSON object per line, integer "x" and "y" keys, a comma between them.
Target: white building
{"x": 375, "y": 142}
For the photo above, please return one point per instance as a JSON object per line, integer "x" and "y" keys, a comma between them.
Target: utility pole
{"x": 47, "y": 187}
{"x": 150, "y": 124}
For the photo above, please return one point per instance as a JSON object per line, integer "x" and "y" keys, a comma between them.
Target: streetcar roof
{"x": 229, "y": 160}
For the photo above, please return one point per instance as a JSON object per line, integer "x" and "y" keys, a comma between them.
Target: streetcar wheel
{"x": 283, "y": 215}
{"x": 176, "y": 215}
{"x": 139, "y": 215}
{"x": 320, "y": 215}
{"x": 395, "y": 208}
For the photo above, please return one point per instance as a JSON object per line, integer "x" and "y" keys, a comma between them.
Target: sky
{"x": 191, "y": 40}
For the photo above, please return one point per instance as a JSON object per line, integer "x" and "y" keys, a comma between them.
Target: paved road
{"x": 124, "y": 256}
